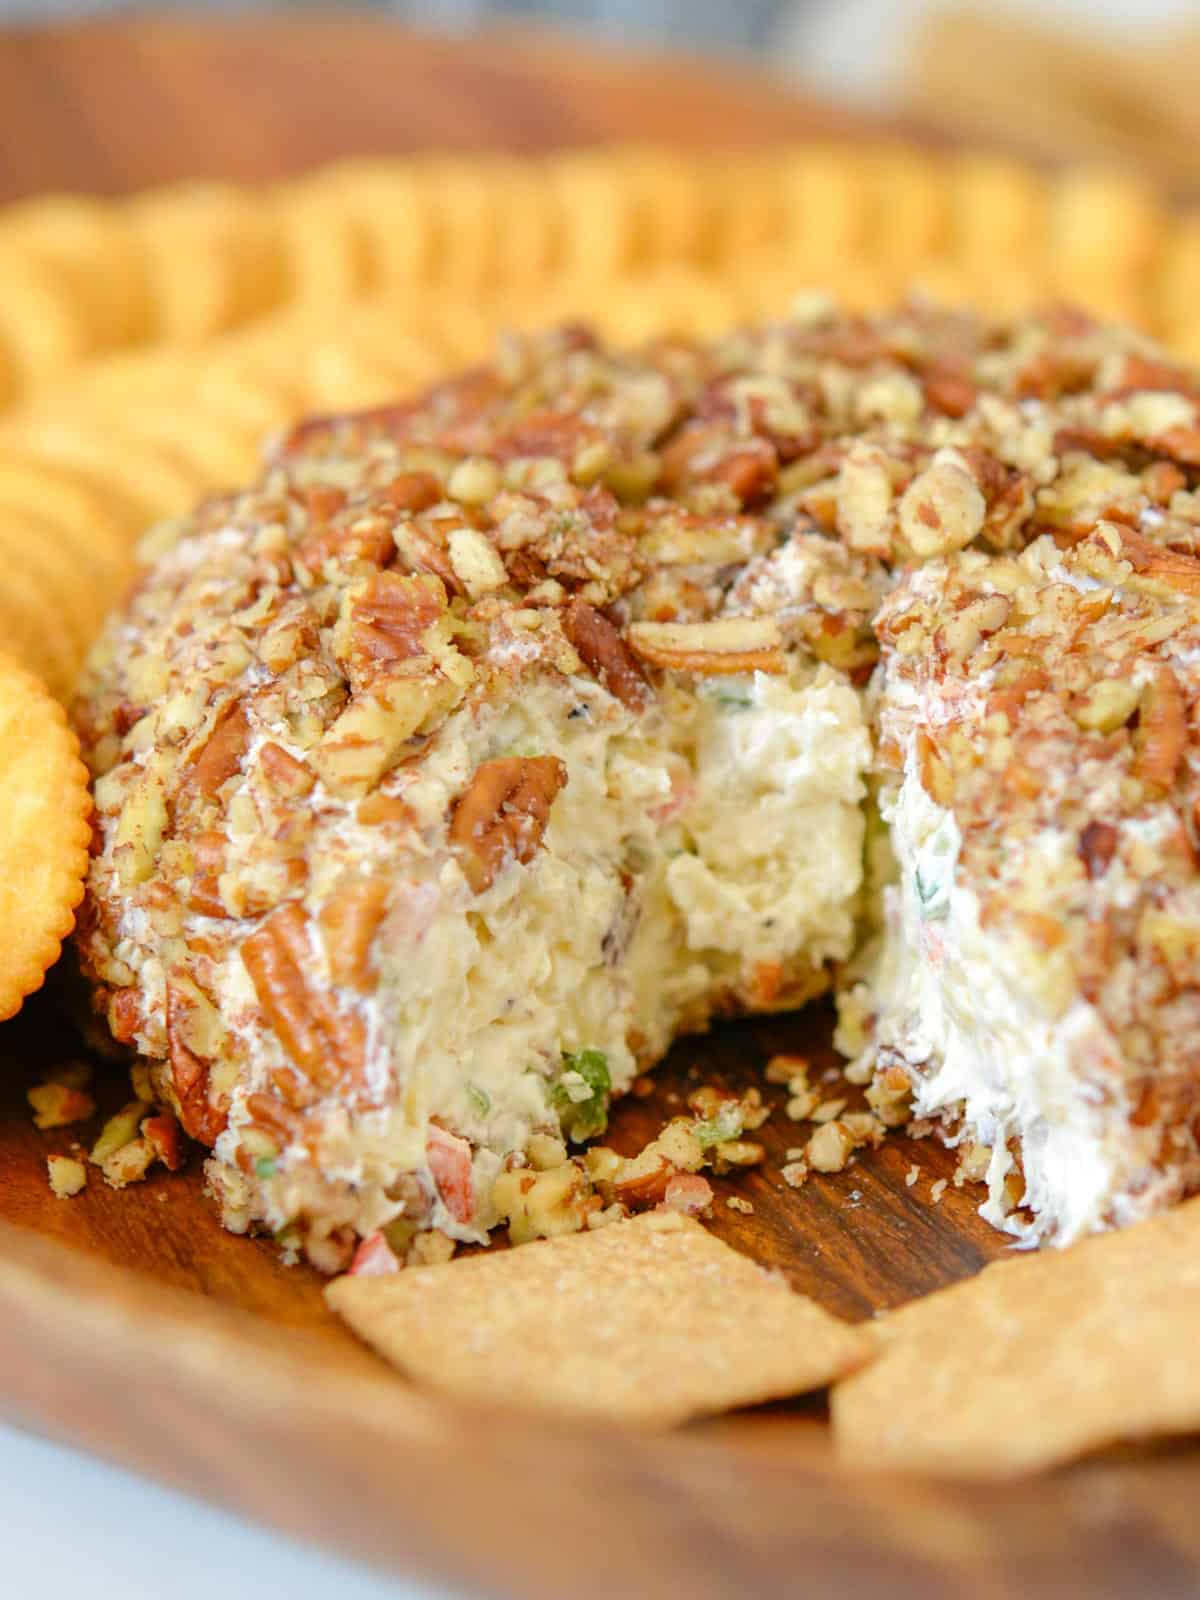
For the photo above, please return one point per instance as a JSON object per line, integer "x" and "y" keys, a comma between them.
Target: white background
{"x": 74, "y": 1529}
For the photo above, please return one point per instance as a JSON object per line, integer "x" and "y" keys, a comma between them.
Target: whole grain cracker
{"x": 653, "y": 1321}
{"x": 1038, "y": 1360}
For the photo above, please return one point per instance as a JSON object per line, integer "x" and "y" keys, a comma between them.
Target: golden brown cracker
{"x": 597, "y": 211}
{"x": 29, "y": 633}
{"x": 827, "y": 197}
{"x": 650, "y": 1321}
{"x": 675, "y": 201}
{"x": 218, "y": 449}
{"x": 214, "y": 254}
{"x": 529, "y": 239}
{"x": 1038, "y": 1360}
{"x": 44, "y": 832}
{"x": 912, "y": 206}
{"x": 326, "y": 251}
{"x": 392, "y": 207}
{"x": 45, "y": 326}
{"x": 98, "y": 521}
{"x": 749, "y": 216}
{"x": 92, "y": 242}
{"x": 139, "y": 481}
{"x": 999, "y": 210}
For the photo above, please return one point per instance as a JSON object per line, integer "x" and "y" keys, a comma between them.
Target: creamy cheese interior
{"x": 963, "y": 1006}
{"x": 688, "y": 861}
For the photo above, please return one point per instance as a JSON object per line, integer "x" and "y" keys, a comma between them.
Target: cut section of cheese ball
{"x": 1037, "y": 984}
{"x": 421, "y": 832}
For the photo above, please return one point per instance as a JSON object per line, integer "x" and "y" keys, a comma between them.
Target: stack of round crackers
{"x": 148, "y": 345}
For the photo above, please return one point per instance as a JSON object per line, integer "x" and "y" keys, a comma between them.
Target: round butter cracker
{"x": 44, "y": 832}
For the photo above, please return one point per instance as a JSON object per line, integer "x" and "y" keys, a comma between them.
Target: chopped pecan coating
{"x": 724, "y": 645}
{"x": 503, "y": 814}
{"x": 189, "y": 1071}
{"x": 349, "y": 921}
{"x": 389, "y": 618}
{"x": 221, "y": 754}
{"x": 324, "y": 1041}
{"x": 602, "y": 649}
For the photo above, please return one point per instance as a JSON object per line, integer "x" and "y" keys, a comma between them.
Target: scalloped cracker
{"x": 651, "y": 1321}
{"x": 44, "y": 832}
{"x": 1038, "y": 1360}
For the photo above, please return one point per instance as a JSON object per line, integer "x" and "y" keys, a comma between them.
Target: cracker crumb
{"x": 828, "y": 1110}
{"x": 911, "y": 1176}
{"x": 735, "y": 1202}
{"x": 56, "y": 1105}
{"x": 830, "y": 1147}
{"x": 938, "y": 1190}
{"x": 432, "y": 1248}
{"x": 789, "y": 1069}
{"x": 67, "y": 1176}
{"x": 128, "y": 1164}
{"x": 795, "y": 1173}
{"x": 801, "y": 1106}
{"x": 864, "y": 1127}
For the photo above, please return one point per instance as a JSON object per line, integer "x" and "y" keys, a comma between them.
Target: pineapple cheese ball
{"x": 493, "y": 740}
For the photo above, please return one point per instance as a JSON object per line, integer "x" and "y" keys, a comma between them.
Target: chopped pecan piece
{"x": 604, "y": 651}
{"x": 1097, "y": 846}
{"x": 1158, "y": 569}
{"x": 125, "y": 1014}
{"x": 723, "y": 645}
{"x": 414, "y": 491}
{"x": 749, "y": 472}
{"x": 949, "y": 390}
{"x": 389, "y": 618}
{"x": 281, "y": 1123}
{"x": 221, "y": 755}
{"x": 283, "y": 772}
{"x": 1139, "y": 374}
{"x": 349, "y": 920}
{"x": 190, "y": 1071}
{"x": 379, "y": 808}
{"x": 205, "y": 896}
{"x": 166, "y": 1138}
{"x": 1162, "y": 732}
{"x": 326, "y": 1043}
{"x": 504, "y": 814}
{"x": 560, "y": 434}
{"x": 1181, "y": 444}
{"x": 423, "y": 548}
{"x": 57, "y": 1105}
{"x": 368, "y": 539}
{"x": 706, "y": 453}
{"x": 366, "y": 739}
{"x": 321, "y": 501}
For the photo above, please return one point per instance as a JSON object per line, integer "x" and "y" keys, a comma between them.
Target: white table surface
{"x": 73, "y": 1526}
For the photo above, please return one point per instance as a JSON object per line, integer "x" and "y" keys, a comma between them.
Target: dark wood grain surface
{"x": 117, "y": 104}
{"x": 131, "y": 1324}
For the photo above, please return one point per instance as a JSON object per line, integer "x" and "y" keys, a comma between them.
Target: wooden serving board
{"x": 131, "y": 1324}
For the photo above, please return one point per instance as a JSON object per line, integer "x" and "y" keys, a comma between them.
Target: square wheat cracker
{"x": 651, "y": 1321}
{"x": 1038, "y": 1360}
